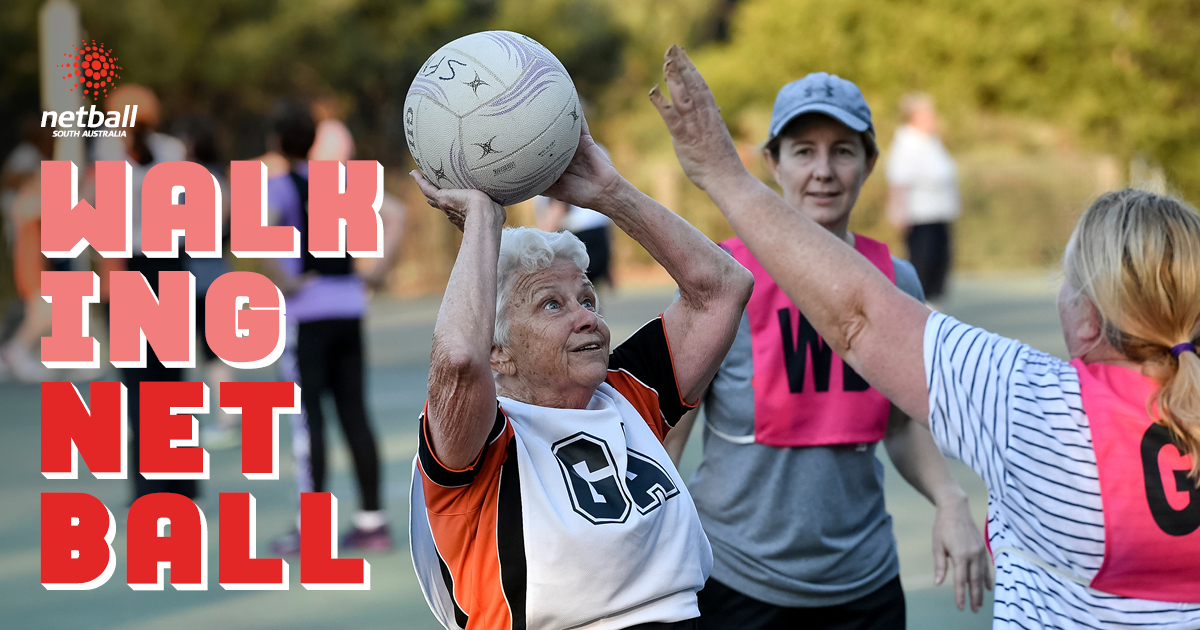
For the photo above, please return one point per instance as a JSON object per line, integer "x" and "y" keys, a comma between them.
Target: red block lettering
{"x": 151, "y": 549}
{"x": 260, "y": 405}
{"x": 169, "y": 447}
{"x": 240, "y": 570}
{"x": 69, "y": 345}
{"x": 77, "y": 535}
{"x": 249, "y": 234}
{"x": 69, "y": 225}
{"x": 167, "y": 321}
{"x": 69, "y": 429}
{"x": 245, "y": 339}
{"x": 320, "y": 567}
{"x": 343, "y": 209}
{"x": 164, "y": 218}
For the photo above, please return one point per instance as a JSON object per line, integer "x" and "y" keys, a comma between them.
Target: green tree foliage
{"x": 233, "y": 58}
{"x": 1121, "y": 75}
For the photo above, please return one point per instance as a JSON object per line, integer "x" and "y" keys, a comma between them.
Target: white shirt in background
{"x": 918, "y": 162}
{"x": 576, "y": 219}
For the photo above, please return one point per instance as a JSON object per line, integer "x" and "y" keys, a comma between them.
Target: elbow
{"x": 742, "y": 285}
{"x": 454, "y": 364}
{"x": 733, "y": 289}
{"x": 852, "y": 328}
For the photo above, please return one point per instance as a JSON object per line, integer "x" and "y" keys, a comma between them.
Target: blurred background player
{"x": 923, "y": 195}
{"x": 199, "y": 136}
{"x": 20, "y": 201}
{"x": 143, "y": 147}
{"x": 326, "y": 303}
{"x": 789, "y": 489}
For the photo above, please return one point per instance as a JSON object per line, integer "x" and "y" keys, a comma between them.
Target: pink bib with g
{"x": 804, "y": 395}
{"x": 1151, "y": 507}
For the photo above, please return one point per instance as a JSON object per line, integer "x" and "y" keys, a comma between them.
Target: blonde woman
{"x": 1091, "y": 465}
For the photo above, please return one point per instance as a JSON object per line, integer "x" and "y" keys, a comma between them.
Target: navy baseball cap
{"x": 822, "y": 93}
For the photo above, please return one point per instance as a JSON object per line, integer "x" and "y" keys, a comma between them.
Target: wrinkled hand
{"x": 702, "y": 142}
{"x": 589, "y": 177}
{"x": 458, "y": 203}
{"x": 957, "y": 539}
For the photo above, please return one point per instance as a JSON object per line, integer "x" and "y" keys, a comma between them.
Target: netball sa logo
{"x": 598, "y": 493}
{"x": 92, "y": 70}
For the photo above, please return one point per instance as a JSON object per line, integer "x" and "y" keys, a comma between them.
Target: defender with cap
{"x": 789, "y": 491}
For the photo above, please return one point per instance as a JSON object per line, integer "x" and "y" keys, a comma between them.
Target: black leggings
{"x": 722, "y": 607}
{"x": 329, "y": 354}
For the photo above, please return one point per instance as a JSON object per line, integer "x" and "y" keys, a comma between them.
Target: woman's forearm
{"x": 912, "y": 450}
{"x": 863, "y": 316}
{"x": 462, "y": 393}
{"x": 816, "y": 269}
{"x": 700, "y": 268}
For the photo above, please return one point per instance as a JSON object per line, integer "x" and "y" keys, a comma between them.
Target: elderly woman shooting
{"x": 543, "y": 497}
{"x": 1091, "y": 465}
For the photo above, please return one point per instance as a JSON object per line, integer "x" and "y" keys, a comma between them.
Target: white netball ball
{"x": 494, "y": 111}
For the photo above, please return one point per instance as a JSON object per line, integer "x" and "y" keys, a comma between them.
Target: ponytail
{"x": 1179, "y": 406}
{"x": 1136, "y": 256}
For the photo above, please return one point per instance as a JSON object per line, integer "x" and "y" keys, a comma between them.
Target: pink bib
{"x": 1151, "y": 507}
{"x": 804, "y": 395}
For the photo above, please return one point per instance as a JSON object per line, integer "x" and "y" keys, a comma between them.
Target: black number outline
{"x": 1171, "y": 521}
{"x": 657, "y": 499}
{"x": 567, "y": 472}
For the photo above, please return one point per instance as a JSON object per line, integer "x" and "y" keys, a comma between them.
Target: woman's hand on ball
{"x": 460, "y": 204}
{"x": 589, "y": 178}
{"x": 702, "y": 142}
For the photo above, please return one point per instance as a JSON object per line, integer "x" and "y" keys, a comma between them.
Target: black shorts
{"x": 929, "y": 253}
{"x": 722, "y": 607}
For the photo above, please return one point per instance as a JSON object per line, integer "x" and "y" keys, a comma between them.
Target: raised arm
{"x": 462, "y": 393}
{"x": 713, "y": 287}
{"x": 871, "y": 324}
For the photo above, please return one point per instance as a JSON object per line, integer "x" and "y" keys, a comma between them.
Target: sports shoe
{"x": 377, "y": 539}
{"x": 287, "y": 544}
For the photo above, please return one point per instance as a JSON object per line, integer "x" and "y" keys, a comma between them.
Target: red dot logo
{"x": 94, "y": 66}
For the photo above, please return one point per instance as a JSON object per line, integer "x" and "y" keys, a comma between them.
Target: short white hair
{"x": 524, "y": 250}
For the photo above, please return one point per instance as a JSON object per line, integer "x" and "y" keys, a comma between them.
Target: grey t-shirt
{"x": 794, "y": 527}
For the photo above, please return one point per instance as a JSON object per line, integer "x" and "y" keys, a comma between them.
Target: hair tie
{"x": 1186, "y": 346}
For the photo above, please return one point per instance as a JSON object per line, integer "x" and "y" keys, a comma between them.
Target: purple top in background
{"x": 323, "y": 297}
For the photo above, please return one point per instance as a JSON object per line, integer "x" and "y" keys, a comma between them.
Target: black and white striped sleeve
{"x": 971, "y": 375}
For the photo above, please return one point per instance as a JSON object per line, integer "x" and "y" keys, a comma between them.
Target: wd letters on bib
{"x": 804, "y": 394}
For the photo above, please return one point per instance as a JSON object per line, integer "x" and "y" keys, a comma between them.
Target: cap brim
{"x": 837, "y": 113}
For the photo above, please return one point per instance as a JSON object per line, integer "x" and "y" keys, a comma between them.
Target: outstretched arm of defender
{"x": 871, "y": 324}
{"x": 713, "y": 287}
{"x": 462, "y": 393}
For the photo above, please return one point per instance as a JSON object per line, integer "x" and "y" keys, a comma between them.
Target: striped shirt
{"x": 1014, "y": 414}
